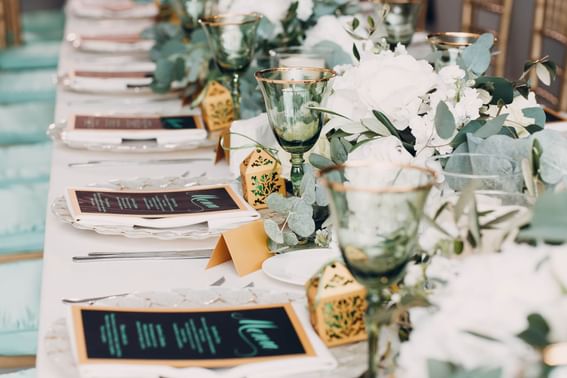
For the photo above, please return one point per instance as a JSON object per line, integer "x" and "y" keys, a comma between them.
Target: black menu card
{"x": 200, "y": 200}
{"x": 212, "y": 337}
{"x": 133, "y": 122}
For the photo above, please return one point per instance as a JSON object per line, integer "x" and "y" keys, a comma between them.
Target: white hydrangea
{"x": 485, "y": 295}
{"x": 330, "y": 28}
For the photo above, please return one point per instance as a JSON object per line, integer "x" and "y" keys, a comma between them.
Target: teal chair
{"x": 41, "y": 26}
{"x": 27, "y": 85}
{"x": 28, "y": 373}
{"x": 30, "y": 56}
{"x": 25, "y": 122}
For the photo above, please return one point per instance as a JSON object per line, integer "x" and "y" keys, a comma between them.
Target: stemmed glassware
{"x": 376, "y": 208}
{"x": 232, "y": 39}
{"x": 449, "y": 46}
{"x": 189, "y": 12}
{"x": 400, "y": 20}
{"x": 291, "y": 95}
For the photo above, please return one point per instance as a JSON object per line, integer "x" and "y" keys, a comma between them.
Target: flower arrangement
{"x": 494, "y": 317}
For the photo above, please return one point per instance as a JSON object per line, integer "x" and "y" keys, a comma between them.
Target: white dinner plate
{"x": 297, "y": 267}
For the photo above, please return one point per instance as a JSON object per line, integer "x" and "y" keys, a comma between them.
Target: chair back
{"x": 550, "y": 38}
{"x": 475, "y": 14}
{"x": 10, "y": 25}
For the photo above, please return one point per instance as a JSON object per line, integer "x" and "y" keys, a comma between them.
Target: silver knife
{"x": 193, "y": 252}
{"x": 135, "y": 162}
{"x": 80, "y": 259}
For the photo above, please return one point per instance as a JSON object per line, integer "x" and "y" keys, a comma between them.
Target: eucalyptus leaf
{"x": 355, "y": 52}
{"x": 537, "y": 332}
{"x": 375, "y": 126}
{"x": 476, "y": 57}
{"x": 302, "y": 208}
{"x": 336, "y": 55}
{"x": 537, "y": 113}
{"x": 339, "y": 154}
{"x": 500, "y": 89}
{"x": 553, "y": 161}
{"x": 307, "y": 186}
{"x": 444, "y": 121}
{"x": 302, "y": 224}
{"x": 543, "y": 74}
{"x": 549, "y": 220}
{"x": 384, "y": 120}
{"x": 278, "y": 203}
{"x": 273, "y": 231}
{"x": 470, "y": 127}
{"x": 290, "y": 238}
{"x": 491, "y": 127}
{"x": 321, "y": 198}
{"x": 320, "y": 161}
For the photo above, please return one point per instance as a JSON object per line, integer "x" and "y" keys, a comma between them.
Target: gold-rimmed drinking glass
{"x": 376, "y": 209}
{"x": 232, "y": 39}
{"x": 291, "y": 96}
{"x": 189, "y": 13}
{"x": 400, "y": 20}
{"x": 449, "y": 46}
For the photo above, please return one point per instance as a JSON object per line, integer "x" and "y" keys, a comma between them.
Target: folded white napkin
{"x": 106, "y": 9}
{"x": 279, "y": 368}
{"x": 215, "y": 221}
{"x": 113, "y": 46}
{"x": 258, "y": 129}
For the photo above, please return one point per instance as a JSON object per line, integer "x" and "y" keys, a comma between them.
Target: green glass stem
{"x": 235, "y": 92}
{"x": 296, "y": 173}
{"x": 373, "y": 330}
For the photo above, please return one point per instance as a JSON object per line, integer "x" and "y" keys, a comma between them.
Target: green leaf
{"x": 476, "y": 57}
{"x": 355, "y": 23}
{"x": 502, "y": 90}
{"x": 321, "y": 198}
{"x": 375, "y": 126}
{"x": 537, "y": 332}
{"x": 302, "y": 224}
{"x": 444, "y": 121}
{"x": 290, "y": 238}
{"x": 438, "y": 369}
{"x": 320, "y": 161}
{"x": 543, "y": 74}
{"x": 328, "y": 111}
{"x": 355, "y": 52}
{"x": 335, "y": 55}
{"x": 307, "y": 186}
{"x": 537, "y": 113}
{"x": 339, "y": 154}
{"x": 553, "y": 160}
{"x": 273, "y": 231}
{"x": 491, "y": 127}
{"x": 549, "y": 220}
{"x": 500, "y": 219}
{"x": 469, "y": 128}
{"x": 482, "y": 336}
{"x": 278, "y": 203}
{"x": 384, "y": 120}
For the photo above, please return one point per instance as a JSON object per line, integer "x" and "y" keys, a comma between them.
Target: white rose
{"x": 273, "y": 10}
{"x": 393, "y": 84}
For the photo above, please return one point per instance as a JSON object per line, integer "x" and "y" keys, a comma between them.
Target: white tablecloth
{"x": 64, "y": 279}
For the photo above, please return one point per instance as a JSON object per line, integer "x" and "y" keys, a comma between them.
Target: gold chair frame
{"x": 10, "y": 24}
{"x": 550, "y": 21}
{"x": 502, "y": 8}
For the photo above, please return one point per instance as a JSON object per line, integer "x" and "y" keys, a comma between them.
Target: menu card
{"x": 212, "y": 337}
{"x": 134, "y": 122}
{"x": 197, "y": 201}
{"x": 112, "y": 74}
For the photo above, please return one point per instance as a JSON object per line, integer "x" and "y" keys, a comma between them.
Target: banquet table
{"x": 64, "y": 279}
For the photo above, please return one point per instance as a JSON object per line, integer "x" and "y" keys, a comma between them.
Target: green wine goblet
{"x": 291, "y": 96}
{"x": 189, "y": 13}
{"x": 232, "y": 39}
{"x": 400, "y": 20}
{"x": 376, "y": 209}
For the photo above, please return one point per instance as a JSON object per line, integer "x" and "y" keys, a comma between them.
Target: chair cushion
{"x": 25, "y": 122}
{"x": 44, "y": 25}
{"x": 23, "y": 230}
{"x": 25, "y": 163}
{"x": 29, "y": 85}
{"x": 30, "y": 56}
{"x": 28, "y": 373}
{"x": 20, "y": 284}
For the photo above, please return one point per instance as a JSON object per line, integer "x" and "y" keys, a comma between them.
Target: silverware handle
{"x": 198, "y": 252}
{"x": 80, "y": 259}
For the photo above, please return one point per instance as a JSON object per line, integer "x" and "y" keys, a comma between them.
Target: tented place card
{"x": 217, "y": 205}
{"x": 253, "y": 340}
{"x": 118, "y": 129}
